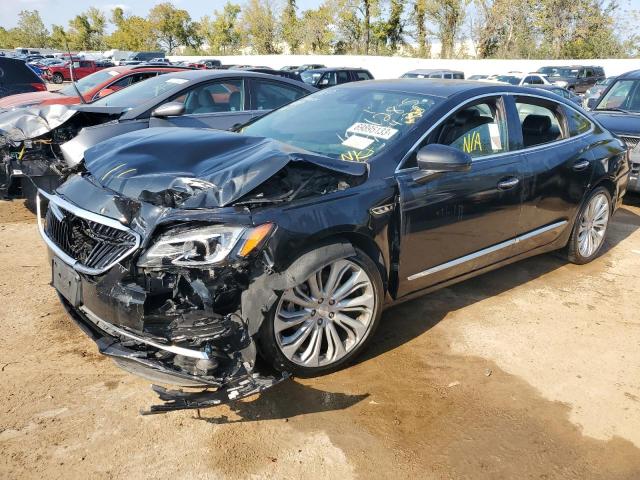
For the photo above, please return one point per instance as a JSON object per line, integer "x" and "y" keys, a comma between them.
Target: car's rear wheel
{"x": 590, "y": 228}
{"x": 57, "y": 78}
{"x": 326, "y": 320}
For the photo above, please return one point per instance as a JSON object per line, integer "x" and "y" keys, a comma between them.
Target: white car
{"x": 519, "y": 79}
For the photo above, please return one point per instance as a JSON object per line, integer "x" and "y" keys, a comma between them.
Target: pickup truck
{"x": 60, "y": 73}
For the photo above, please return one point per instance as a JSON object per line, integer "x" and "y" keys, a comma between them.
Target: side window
{"x": 343, "y": 76}
{"x": 435, "y": 75}
{"x": 269, "y": 95}
{"x": 85, "y": 64}
{"x": 220, "y": 96}
{"x": 541, "y": 121}
{"x": 360, "y": 75}
{"x": 578, "y": 123}
{"x": 458, "y": 76}
{"x": 479, "y": 129}
{"x": 589, "y": 73}
{"x": 528, "y": 80}
{"x": 535, "y": 80}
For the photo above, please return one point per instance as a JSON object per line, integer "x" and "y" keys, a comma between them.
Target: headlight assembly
{"x": 200, "y": 247}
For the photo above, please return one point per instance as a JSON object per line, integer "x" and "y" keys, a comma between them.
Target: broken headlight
{"x": 202, "y": 246}
{"x": 192, "y": 248}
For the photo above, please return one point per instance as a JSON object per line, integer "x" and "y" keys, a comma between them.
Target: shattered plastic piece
{"x": 26, "y": 123}
{"x": 180, "y": 400}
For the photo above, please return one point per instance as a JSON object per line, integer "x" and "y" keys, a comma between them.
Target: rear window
{"x": 361, "y": 75}
{"x": 16, "y": 71}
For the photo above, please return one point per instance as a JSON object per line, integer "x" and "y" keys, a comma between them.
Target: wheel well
{"x": 610, "y": 186}
{"x": 368, "y": 246}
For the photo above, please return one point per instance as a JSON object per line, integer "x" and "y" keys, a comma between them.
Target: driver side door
{"x": 453, "y": 223}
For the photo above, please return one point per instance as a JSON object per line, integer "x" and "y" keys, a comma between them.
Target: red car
{"x": 60, "y": 73}
{"x": 97, "y": 85}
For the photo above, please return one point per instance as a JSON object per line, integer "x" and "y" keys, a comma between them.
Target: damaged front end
{"x": 32, "y": 146}
{"x": 170, "y": 281}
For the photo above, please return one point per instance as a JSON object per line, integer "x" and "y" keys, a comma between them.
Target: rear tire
{"x": 590, "y": 227}
{"x": 324, "y": 322}
{"x": 57, "y": 78}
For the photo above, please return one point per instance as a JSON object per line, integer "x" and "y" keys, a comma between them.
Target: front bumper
{"x": 166, "y": 332}
{"x": 634, "y": 178}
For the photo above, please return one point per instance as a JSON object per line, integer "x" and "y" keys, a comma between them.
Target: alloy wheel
{"x": 593, "y": 225}
{"x": 321, "y": 320}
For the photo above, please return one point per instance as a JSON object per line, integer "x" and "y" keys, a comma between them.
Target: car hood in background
{"x": 619, "y": 123}
{"x": 196, "y": 168}
{"x": 31, "y": 122}
{"x": 34, "y": 98}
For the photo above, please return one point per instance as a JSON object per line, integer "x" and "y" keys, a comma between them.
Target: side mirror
{"x": 104, "y": 92}
{"x": 442, "y": 158}
{"x": 171, "y": 109}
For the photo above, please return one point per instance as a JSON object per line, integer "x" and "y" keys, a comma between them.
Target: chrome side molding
{"x": 487, "y": 251}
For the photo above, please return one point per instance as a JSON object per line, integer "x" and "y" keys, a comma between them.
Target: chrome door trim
{"x": 487, "y": 251}
{"x": 399, "y": 168}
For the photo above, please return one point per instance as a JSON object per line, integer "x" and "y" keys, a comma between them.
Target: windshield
{"x": 351, "y": 124}
{"x": 606, "y": 81}
{"x": 508, "y": 79}
{"x": 89, "y": 82}
{"x": 141, "y": 92}
{"x": 565, "y": 72}
{"x": 622, "y": 95}
{"x": 546, "y": 70}
{"x": 310, "y": 77}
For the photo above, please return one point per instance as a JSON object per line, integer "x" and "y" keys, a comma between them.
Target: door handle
{"x": 509, "y": 183}
{"x": 581, "y": 165}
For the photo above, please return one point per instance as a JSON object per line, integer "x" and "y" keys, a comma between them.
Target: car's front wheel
{"x": 57, "y": 78}
{"x": 327, "y": 319}
{"x": 590, "y": 228}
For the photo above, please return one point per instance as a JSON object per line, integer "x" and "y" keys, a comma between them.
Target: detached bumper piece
{"x": 150, "y": 359}
{"x": 241, "y": 388}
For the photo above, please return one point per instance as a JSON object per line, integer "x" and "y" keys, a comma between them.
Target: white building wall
{"x": 393, "y": 67}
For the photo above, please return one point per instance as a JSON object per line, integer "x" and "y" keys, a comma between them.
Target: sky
{"x": 61, "y": 11}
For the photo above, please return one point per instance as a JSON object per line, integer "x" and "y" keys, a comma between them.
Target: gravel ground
{"x": 527, "y": 372}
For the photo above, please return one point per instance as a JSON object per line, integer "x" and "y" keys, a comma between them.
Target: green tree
{"x": 315, "y": 30}
{"x": 31, "y": 31}
{"x": 448, "y": 17}
{"x": 58, "y": 37}
{"x": 419, "y": 18}
{"x": 260, "y": 27}
{"x": 290, "y": 26}
{"x": 171, "y": 26}
{"x": 87, "y": 30}
{"x": 221, "y": 33}
{"x": 131, "y": 32}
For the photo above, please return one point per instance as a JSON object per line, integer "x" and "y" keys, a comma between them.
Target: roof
{"x": 334, "y": 69}
{"x": 426, "y": 71}
{"x": 440, "y": 87}
{"x": 632, "y": 75}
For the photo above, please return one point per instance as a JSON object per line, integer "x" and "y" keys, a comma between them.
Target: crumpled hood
{"x": 204, "y": 168}
{"x": 619, "y": 123}
{"x": 31, "y": 122}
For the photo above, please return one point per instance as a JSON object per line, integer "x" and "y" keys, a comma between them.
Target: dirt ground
{"x": 532, "y": 371}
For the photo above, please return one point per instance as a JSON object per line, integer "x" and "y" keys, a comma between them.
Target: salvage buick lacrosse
{"x": 200, "y": 258}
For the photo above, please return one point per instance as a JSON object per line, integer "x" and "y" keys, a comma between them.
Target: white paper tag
{"x": 494, "y": 134}
{"x": 377, "y": 131}
{"x": 179, "y": 81}
{"x": 113, "y": 73}
{"x": 357, "y": 142}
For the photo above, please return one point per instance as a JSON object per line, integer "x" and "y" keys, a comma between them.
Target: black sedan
{"x": 185, "y": 252}
{"x": 42, "y": 142}
{"x": 618, "y": 109}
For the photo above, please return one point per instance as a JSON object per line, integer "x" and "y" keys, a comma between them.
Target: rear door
{"x": 16, "y": 77}
{"x": 453, "y": 223}
{"x": 267, "y": 94}
{"x": 558, "y": 167}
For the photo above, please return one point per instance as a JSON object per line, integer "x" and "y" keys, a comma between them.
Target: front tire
{"x": 590, "y": 228}
{"x": 323, "y": 322}
{"x": 57, "y": 78}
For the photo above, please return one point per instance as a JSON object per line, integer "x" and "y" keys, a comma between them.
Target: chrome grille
{"x": 632, "y": 142}
{"x": 92, "y": 243}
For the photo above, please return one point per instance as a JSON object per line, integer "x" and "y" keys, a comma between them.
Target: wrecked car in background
{"x": 231, "y": 260}
{"x": 40, "y": 145}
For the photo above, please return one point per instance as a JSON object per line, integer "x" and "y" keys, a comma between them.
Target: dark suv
{"x": 17, "y": 77}
{"x": 328, "y": 77}
{"x": 577, "y": 78}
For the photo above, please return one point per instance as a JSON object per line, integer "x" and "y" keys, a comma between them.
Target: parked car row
{"x": 225, "y": 229}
